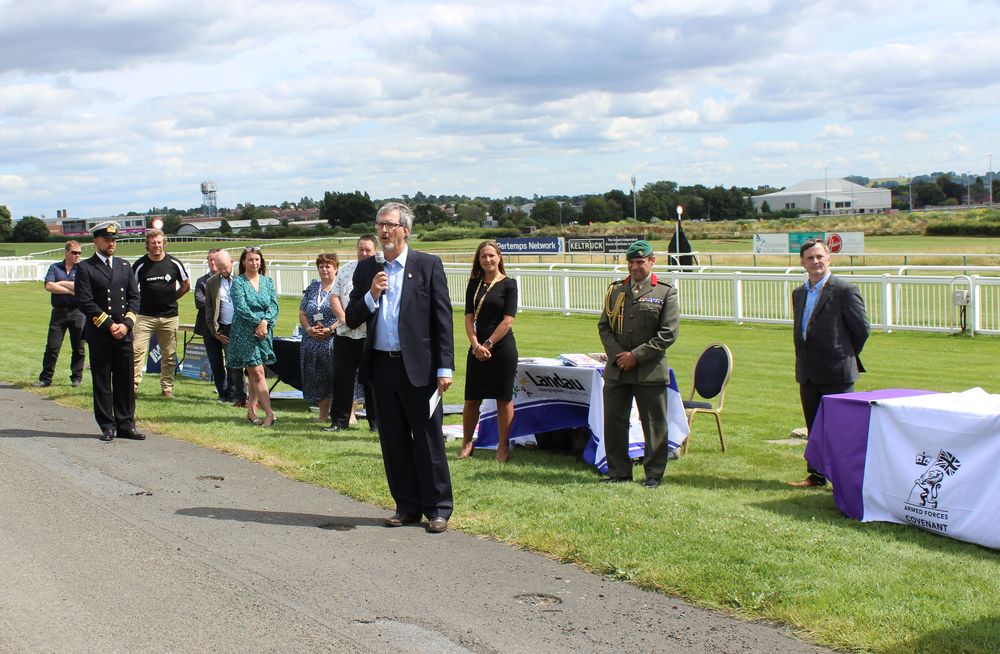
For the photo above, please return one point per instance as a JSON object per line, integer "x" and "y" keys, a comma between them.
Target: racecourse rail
{"x": 945, "y": 299}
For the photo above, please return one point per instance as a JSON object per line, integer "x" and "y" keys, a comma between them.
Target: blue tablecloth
{"x": 547, "y": 398}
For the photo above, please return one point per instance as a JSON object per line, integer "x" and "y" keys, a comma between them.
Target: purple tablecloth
{"x": 838, "y": 443}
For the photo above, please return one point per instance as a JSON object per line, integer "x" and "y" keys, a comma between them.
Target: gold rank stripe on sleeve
{"x": 616, "y": 314}
{"x": 100, "y": 320}
{"x": 130, "y": 316}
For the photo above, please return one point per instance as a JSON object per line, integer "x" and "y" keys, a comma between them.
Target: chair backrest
{"x": 711, "y": 373}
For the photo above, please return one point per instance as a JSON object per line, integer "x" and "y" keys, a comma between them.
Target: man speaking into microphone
{"x": 409, "y": 357}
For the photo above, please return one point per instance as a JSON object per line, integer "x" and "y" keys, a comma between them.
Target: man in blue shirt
{"x": 409, "y": 356}
{"x": 830, "y": 328}
{"x": 65, "y": 316}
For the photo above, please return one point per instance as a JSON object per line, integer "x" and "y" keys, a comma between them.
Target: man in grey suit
{"x": 830, "y": 328}
{"x": 218, "y": 320}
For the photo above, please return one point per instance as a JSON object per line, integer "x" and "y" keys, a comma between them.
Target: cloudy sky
{"x": 110, "y": 106}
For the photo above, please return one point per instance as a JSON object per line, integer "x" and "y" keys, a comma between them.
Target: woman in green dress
{"x": 255, "y": 308}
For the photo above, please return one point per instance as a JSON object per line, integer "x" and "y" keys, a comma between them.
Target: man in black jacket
{"x": 107, "y": 294}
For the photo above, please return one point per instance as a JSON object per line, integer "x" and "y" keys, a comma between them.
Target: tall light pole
{"x": 990, "y": 173}
{"x": 826, "y": 192}
{"x": 677, "y": 234}
{"x": 635, "y": 215}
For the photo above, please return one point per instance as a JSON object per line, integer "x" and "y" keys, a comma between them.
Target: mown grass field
{"x": 724, "y": 531}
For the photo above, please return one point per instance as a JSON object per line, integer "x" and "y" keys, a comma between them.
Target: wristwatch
{"x": 488, "y": 344}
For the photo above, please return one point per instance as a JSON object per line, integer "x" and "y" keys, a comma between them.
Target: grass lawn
{"x": 724, "y": 531}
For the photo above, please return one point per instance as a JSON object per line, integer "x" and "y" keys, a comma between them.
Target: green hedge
{"x": 963, "y": 228}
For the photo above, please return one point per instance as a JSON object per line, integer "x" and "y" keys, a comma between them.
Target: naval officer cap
{"x": 638, "y": 249}
{"x": 107, "y": 229}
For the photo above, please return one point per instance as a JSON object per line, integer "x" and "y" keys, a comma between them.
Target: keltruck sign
{"x": 601, "y": 244}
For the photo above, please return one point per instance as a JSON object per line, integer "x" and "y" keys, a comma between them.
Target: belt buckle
{"x": 395, "y": 354}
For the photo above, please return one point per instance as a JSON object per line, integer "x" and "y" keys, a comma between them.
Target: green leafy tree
{"x": 498, "y": 210}
{"x": 595, "y": 210}
{"x": 546, "y": 212}
{"x": 171, "y": 223}
{"x": 30, "y": 230}
{"x": 429, "y": 214}
{"x": 345, "y": 209}
{"x": 225, "y": 228}
{"x": 619, "y": 204}
{"x": 927, "y": 193}
{"x": 472, "y": 211}
{"x": 6, "y": 225}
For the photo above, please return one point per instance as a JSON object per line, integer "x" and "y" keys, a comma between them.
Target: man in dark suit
{"x": 830, "y": 329}
{"x": 408, "y": 358}
{"x": 107, "y": 294}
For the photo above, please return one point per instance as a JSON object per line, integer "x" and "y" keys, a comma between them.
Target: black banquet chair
{"x": 711, "y": 375}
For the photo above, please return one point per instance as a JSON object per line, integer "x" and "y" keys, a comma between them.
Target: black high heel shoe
{"x": 264, "y": 423}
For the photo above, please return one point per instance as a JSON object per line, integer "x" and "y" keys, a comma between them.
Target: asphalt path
{"x": 164, "y": 546}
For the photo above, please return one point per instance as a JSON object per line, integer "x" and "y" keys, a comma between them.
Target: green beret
{"x": 639, "y": 249}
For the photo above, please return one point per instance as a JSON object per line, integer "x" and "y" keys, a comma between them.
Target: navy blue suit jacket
{"x": 106, "y": 297}
{"x": 425, "y": 317}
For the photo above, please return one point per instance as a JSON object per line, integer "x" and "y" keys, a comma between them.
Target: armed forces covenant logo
{"x": 921, "y": 507}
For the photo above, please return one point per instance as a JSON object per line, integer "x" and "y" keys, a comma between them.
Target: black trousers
{"x": 811, "y": 394}
{"x": 347, "y": 353}
{"x": 64, "y": 319}
{"x": 112, "y": 371}
{"x": 228, "y": 381}
{"x": 416, "y": 465}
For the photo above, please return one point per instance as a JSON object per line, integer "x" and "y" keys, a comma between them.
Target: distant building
{"x": 195, "y": 228}
{"x": 130, "y": 225}
{"x": 827, "y": 196}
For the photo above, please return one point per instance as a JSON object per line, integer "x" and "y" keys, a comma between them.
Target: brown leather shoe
{"x": 437, "y": 525}
{"x": 806, "y": 483}
{"x": 400, "y": 519}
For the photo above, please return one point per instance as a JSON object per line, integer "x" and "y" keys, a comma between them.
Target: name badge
{"x": 318, "y": 317}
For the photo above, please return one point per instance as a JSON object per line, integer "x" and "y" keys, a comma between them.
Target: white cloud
{"x": 714, "y": 142}
{"x": 835, "y": 132}
{"x": 104, "y": 105}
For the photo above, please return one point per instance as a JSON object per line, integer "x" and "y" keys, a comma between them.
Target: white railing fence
{"x": 904, "y": 300}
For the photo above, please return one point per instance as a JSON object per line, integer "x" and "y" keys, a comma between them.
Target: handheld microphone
{"x": 379, "y": 261}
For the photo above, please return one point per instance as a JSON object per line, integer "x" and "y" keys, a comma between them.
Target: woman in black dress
{"x": 490, "y": 307}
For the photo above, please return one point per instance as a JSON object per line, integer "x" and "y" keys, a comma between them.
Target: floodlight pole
{"x": 990, "y": 173}
{"x": 635, "y": 214}
{"x": 826, "y": 192}
{"x": 677, "y": 235}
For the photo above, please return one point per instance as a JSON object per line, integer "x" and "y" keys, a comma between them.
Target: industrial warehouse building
{"x": 827, "y": 196}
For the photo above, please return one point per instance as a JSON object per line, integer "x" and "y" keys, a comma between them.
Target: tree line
{"x": 656, "y": 201}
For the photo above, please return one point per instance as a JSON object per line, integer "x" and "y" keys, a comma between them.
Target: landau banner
{"x": 931, "y": 463}
{"x": 601, "y": 244}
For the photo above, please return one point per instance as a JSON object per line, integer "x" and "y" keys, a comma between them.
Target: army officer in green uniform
{"x": 638, "y": 324}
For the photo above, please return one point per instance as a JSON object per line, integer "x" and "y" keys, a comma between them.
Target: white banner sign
{"x": 931, "y": 463}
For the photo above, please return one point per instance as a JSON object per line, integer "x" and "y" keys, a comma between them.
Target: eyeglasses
{"x": 387, "y": 226}
{"x": 251, "y": 248}
{"x": 76, "y": 252}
